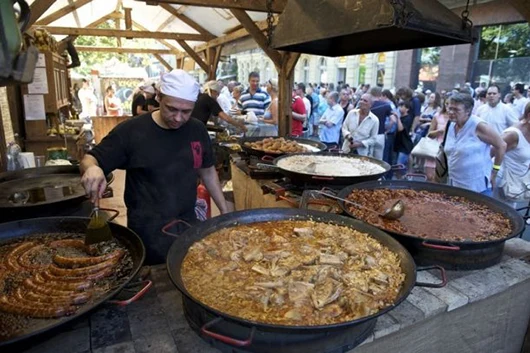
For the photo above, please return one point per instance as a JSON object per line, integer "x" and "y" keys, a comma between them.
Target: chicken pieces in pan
{"x": 293, "y": 273}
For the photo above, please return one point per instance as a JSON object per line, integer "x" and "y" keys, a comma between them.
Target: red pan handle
{"x": 166, "y": 228}
{"x": 226, "y": 339}
{"x": 113, "y": 217}
{"x": 267, "y": 158}
{"x": 147, "y": 284}
{"x": 433, "y": 285}
{"x": 322, "y": 178}
{"x": 440, "y": 247}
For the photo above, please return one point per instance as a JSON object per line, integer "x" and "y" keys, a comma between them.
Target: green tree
{"x": 90, "y": 60}
{"x": 505, "y": 41}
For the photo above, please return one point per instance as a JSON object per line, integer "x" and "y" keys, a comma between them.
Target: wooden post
{"x": 212, "y": 57}
{"x": 285, "y": 83}
{"x": 3, "y": 146}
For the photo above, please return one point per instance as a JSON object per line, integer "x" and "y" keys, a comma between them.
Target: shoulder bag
{"x": 442, "y": 170}
{"x": 427, "y": 147}
{"x": 516, "y": 188}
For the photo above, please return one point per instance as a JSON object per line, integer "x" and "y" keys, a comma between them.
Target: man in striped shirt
{"x": 255, "y": 99}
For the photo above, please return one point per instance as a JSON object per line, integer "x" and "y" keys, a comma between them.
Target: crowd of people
{"x": 484, "y": 133}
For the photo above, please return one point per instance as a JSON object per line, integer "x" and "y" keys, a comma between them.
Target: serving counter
{"x": 102, "y": 125}
{"x": 482, "y": 311}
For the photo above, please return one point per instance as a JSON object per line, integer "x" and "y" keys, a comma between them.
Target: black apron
{"x": 149, "y": 228}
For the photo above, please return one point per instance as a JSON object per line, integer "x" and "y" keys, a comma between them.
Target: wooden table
{"x": 102, "y": 125}
{"x": 248, "y": 193}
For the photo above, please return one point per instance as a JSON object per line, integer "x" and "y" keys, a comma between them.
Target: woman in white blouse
{"x": 360, "y": 129}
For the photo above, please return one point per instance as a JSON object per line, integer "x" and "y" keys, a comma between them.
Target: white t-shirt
{"x": 224, "y": 102}
{"x": 88, "y": 102}
{"x": 307, "y": 105}
{"x": 520, "y": 104}
{"x": 499, "y": 117}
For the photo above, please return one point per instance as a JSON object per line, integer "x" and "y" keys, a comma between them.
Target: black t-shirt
{"x": 403, "y": 142}
{"x": 382, "y": 110}
{"x": 205, "y": 107}
{"x": 138, "y": 101}
{"x": 162, "y": 166}
{"x": 153, "y": 102}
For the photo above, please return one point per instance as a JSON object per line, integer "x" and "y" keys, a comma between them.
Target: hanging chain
{"x": 466, "y": 22}
{"x": 270, "y": 22}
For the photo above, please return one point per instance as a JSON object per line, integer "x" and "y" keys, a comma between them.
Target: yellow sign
{"x": 342, "y": 59}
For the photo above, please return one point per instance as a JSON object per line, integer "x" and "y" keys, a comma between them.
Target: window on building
{"x": 429, "y": 67}
{"x": 362, "y": 69}
{"x": 306, "y": 71}
{"x": 503, "y": 55}
{"x": 381, "y": 60}
{"x": 323, "y": 70}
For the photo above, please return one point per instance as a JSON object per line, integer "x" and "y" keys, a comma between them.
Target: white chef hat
{"x": 179, "y": 84}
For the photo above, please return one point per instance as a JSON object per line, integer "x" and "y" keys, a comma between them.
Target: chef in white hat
{"x": 164, "y": 153}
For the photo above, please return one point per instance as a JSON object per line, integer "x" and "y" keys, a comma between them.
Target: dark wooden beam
{"x": 125, "y": 50}
{"x": 61, "y": 12}
{"x": 285, "y": 83}
{"x": 187, "y": 20}
{"x": 258, "y": 36}
{"x": 62, "y": 43}
{"x": 194, "y": 55}
{"x": 232, "y": 37}
{"x": 248, "y": 5}
{"x": 163, "y": 62}
{"x": 162, "y": 41}
{"x": 213, "y": 55}
{"x": 97, "y": 32}
{"x": 37, "y": 9}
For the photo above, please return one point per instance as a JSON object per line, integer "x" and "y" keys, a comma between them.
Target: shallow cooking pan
{"x": 179, "y": 249}
{"x": 27, "y": 228}
{"x": 316, "y": 145}
{"x": 457, "y": 255}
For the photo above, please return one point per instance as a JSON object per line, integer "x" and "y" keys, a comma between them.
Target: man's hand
{"x": 356, "y": 144}
{"x": 242, "y": 127}
{"x": 94, "y": 182}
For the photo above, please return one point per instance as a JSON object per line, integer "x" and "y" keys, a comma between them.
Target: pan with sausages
{"x": 50, "y": 277}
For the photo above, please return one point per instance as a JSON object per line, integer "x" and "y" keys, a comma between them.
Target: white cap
{"x": 212, "y": 86}
{"x": 148, "y": 89}
{"x": 179, "y": 84}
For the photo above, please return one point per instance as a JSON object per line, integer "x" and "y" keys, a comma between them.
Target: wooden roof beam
{"x": 122, "y": 50}
{"x": 61, "y": 12}
{"x": 194, "y": 55}
{"x": 62, "y": 43}
{"x": 97, "y": 32}
{"x": 258, "y": 36}
{"x": 37, "y": 9}
{"x": 163, "y": 62}
{"x": 161, "y": 41}
{"x": 187, "y": 20}
{"x": 248, "y": 5}
{"x": 240, "y": 33}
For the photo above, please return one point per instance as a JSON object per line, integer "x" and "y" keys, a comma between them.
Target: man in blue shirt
{"x": 254, "y": 99}
{"x": 331, "y": 122}
{"x": 382, "y": 110}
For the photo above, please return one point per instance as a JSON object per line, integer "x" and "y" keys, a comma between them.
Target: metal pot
{"x": 67, "y": 225}
{"x": 261, "y": 342}
{"x": 456, "y": 255}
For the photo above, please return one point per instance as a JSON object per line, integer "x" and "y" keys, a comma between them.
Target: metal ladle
{"x": 394, "y": 212}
